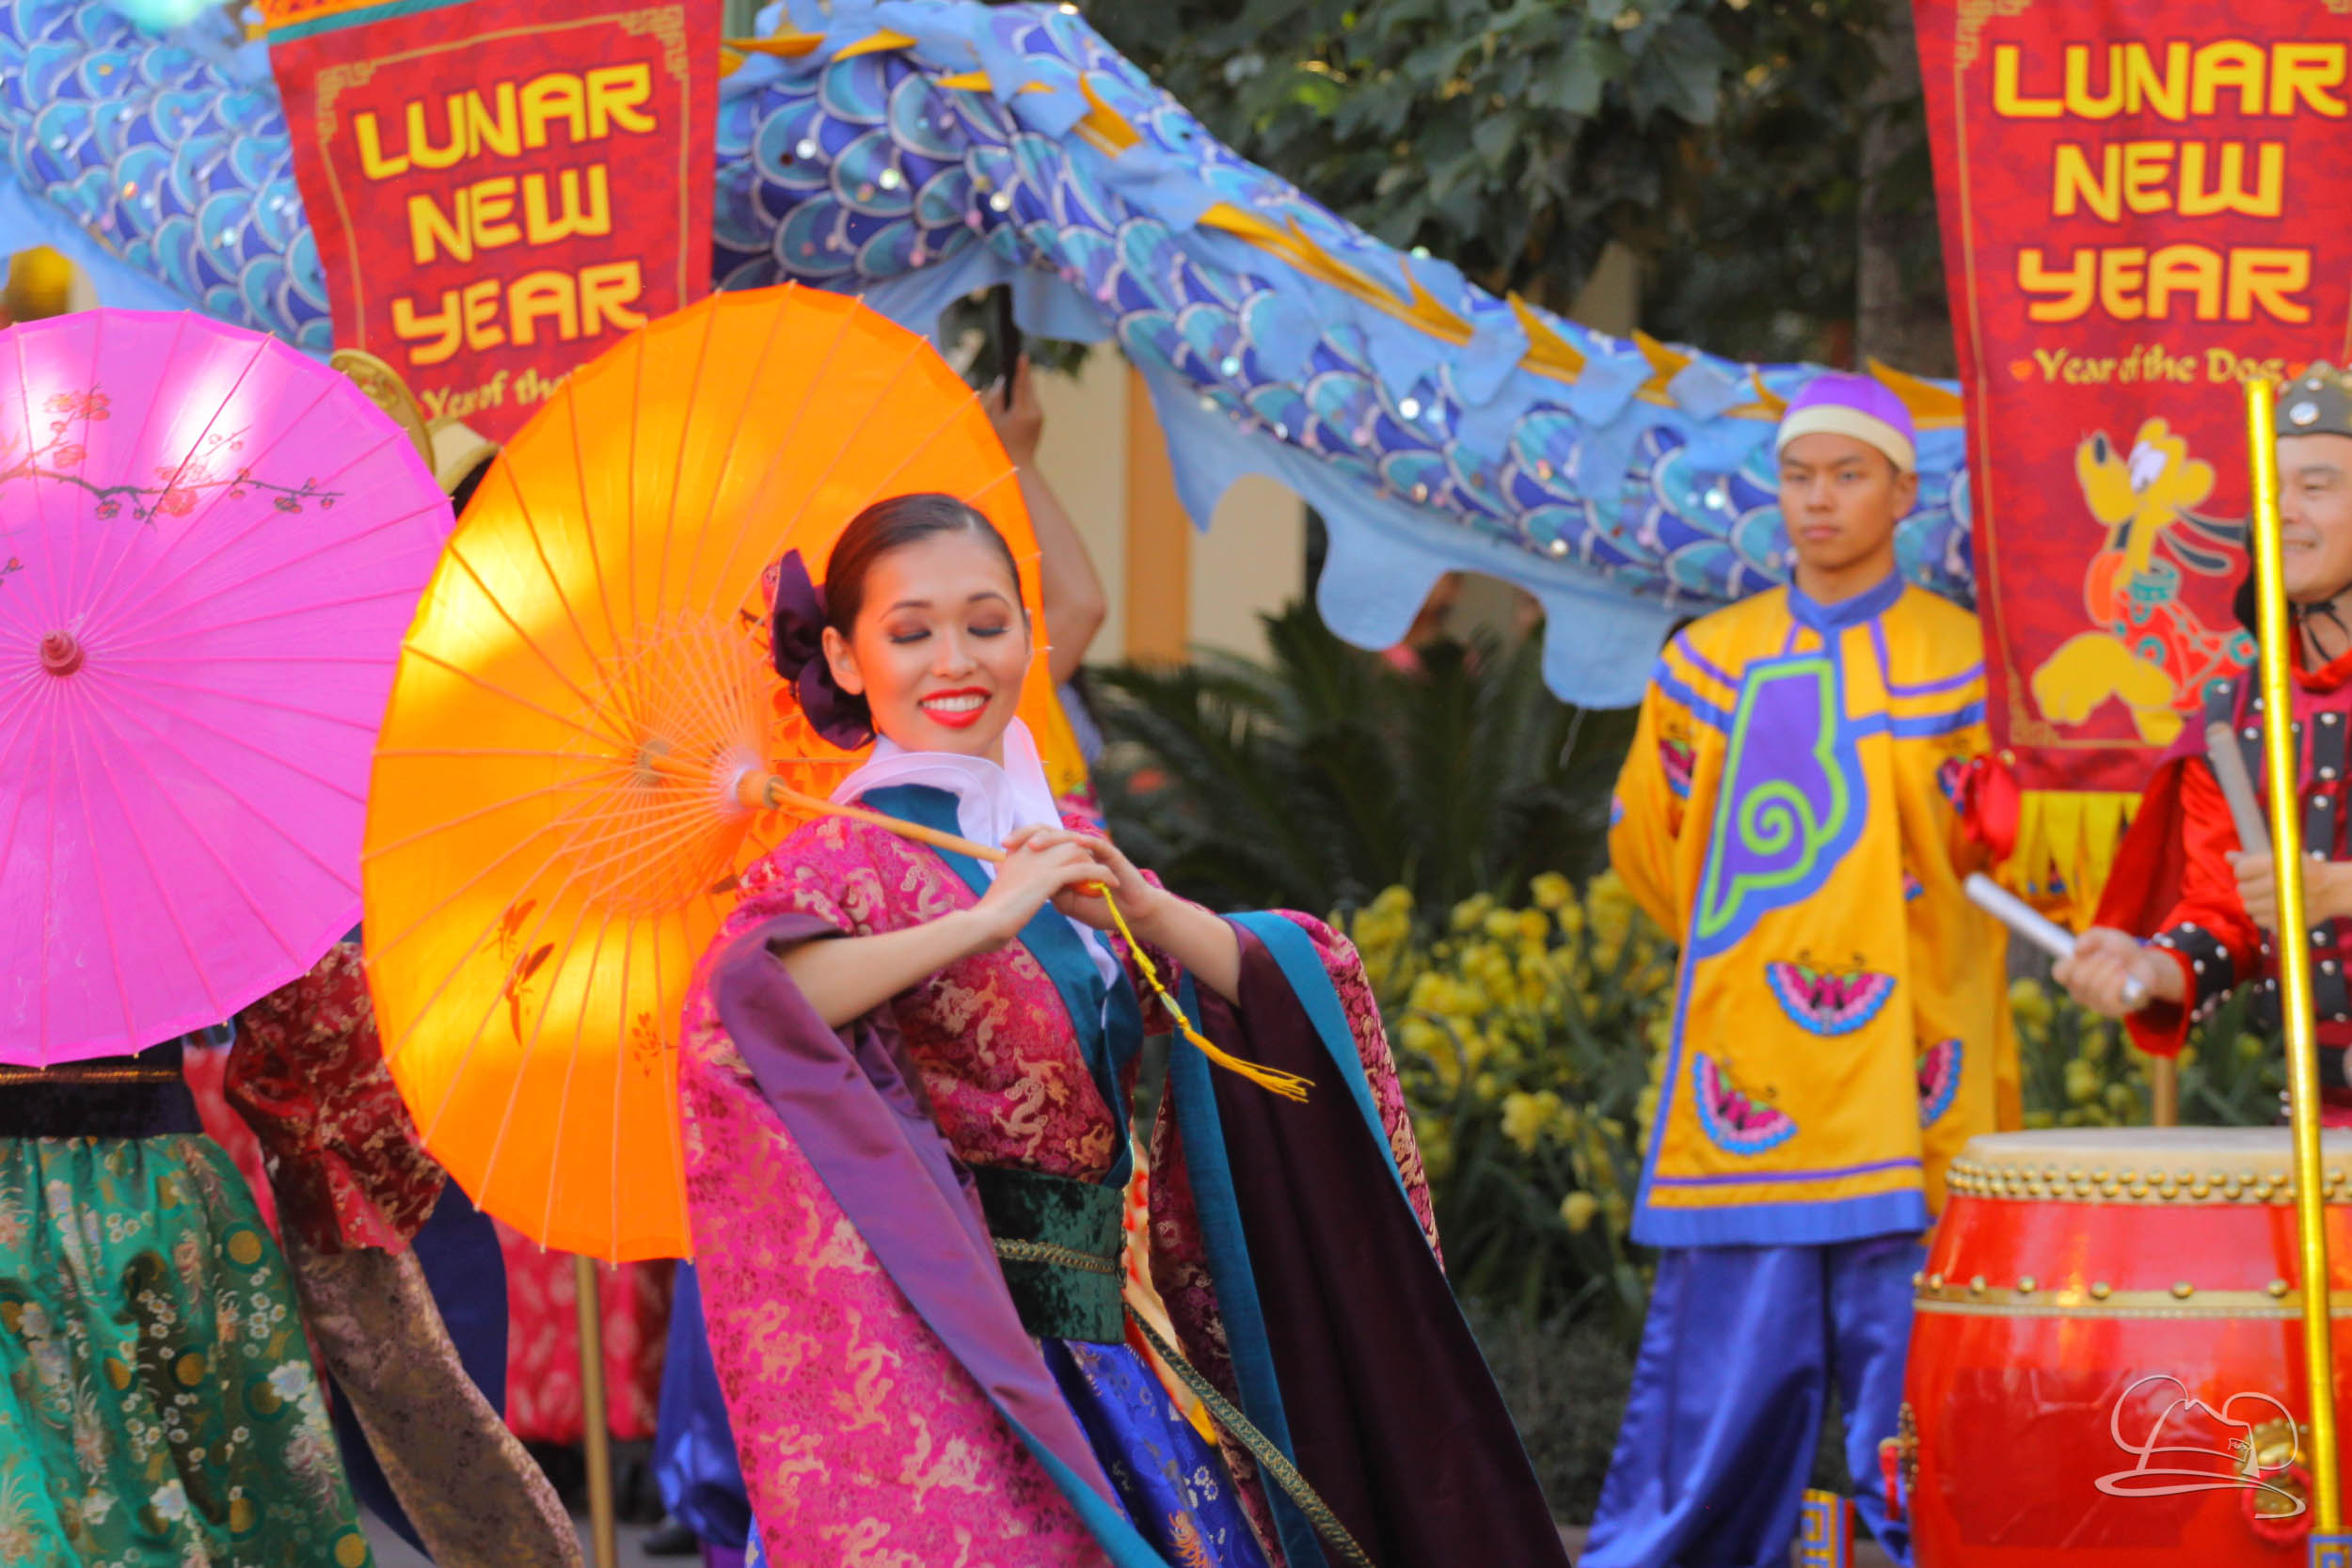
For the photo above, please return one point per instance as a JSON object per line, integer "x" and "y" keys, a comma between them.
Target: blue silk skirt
{"x": 1170, "y": 1480}
{"x": 694, "y": 1461}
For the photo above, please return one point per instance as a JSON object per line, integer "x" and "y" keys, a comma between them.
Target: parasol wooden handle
{"x": 588, "y": 1301}
{"x": 765, "y": 791}
{"x": 761, "y": 791}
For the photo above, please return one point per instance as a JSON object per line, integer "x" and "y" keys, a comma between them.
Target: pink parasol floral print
{"x": 211, "y": 546}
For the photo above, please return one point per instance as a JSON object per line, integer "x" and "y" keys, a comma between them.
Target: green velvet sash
{"x": 1060, "y": 1245}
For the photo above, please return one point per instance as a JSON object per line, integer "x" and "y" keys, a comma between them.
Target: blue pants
{"x": 1736, "y": 1356}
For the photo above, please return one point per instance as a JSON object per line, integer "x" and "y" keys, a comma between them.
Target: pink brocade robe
{"x": 863, "y": 1440}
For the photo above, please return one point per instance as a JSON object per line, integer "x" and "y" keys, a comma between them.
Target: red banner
{"x": 500, "y": 188}
{"x": 2142, "y": 203}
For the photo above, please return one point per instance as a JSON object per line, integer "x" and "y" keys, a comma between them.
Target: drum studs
{"x": 2183, "y": 1289}
{"x": 2026, "y": 1285}
{"x": 1935, "y": 1282}
{"x": 2075, "y": 1184}
{"x": 1975, "y": 1285}
{"x": 1918, "y": 1280}
{"x": 2101, "y": 1290}
{"x": 2277, "y": 1289}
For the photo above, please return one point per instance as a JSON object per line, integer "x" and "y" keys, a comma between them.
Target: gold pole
{"x": 2294, "y": 949}
{"x": 2164, "y": 1091}
{"x": 593, "y": 1429}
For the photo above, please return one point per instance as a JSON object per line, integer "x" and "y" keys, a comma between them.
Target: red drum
{"x": 2106, "y": 1367}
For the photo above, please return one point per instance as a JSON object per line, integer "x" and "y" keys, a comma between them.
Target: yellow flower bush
{"x": 2029, "y": 1004}
{"x": 2080, "y": 1072}
{"x": 1531, "y": 1039}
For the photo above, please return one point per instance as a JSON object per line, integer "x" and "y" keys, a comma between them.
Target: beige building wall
{"x": 1171, "y": 588}
{"x": 1251, "y": 563}
{"x": 1084, "y": 457}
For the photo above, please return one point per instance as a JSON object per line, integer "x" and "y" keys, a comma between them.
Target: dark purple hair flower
{"x": 798, "y": 637}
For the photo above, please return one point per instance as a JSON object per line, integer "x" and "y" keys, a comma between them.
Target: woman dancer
{"x": 905, "y": 1078}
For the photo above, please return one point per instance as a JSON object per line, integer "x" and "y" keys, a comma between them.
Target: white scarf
{"x": 990, "y": 802}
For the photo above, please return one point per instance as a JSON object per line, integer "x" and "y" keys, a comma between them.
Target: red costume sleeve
{"x": 2204, "y": 927}
{"x": 308, "y": 1075}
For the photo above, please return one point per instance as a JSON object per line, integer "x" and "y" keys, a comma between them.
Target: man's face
{"x": 1841, "y": 498}
{"x": 2315, "y": 515}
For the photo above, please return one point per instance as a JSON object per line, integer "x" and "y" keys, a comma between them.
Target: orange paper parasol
{"x": 584, "y": 700}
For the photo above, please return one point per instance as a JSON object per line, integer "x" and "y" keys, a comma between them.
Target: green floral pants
{"x": 158, "y": 1407}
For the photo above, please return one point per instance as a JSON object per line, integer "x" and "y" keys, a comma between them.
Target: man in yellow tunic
{"x": 1841, "y": 1021}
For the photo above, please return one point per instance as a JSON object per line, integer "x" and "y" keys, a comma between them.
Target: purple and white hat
{"x": 1861, "y": 406}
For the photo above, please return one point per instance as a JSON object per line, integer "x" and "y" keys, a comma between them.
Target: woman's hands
{"x": 1041, "y": 865}
{"x": 2105, "y": 964}
{"x": 1200, "y": 943}
{"x": 846, "y": 977}
{"x": 1138, "y": 899}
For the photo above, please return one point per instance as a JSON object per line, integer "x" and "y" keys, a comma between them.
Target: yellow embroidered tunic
{"x": 1841, "y": 1023}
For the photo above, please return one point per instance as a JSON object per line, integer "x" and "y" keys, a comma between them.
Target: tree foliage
{"x": 1721, "y": 140}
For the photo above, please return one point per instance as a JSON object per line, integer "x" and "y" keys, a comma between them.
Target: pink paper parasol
{"x": 209, "y": 549}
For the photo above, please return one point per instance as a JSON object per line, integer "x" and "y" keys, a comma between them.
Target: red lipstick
{"x": 965, "y": 711}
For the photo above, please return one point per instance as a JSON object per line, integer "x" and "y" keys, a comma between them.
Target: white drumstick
{"x": 2237, "y": 788}
{"x": 2036, "y": 928}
